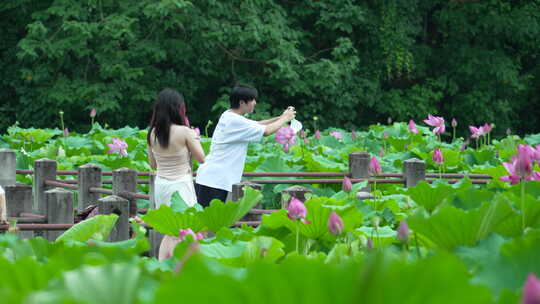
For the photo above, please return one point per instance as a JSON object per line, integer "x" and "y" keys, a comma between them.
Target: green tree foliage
{"x": 351, "y": 63}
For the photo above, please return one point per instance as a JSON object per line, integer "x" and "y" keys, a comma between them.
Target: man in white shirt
{"x": 224, "y": 164}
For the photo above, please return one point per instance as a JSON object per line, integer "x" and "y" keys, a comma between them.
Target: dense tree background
{"x": 351, "y": 63}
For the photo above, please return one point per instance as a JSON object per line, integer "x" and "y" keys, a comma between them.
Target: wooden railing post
{"x": 125, "y": 180}
{"x": 59, "y": 210}
{"x": 8, "y": 162}
{"x": 89, "y": 176}
{"x": 18, "y": 199}
{"x": 359, "y": 166}
{"x": 238, "y": 189}
{"x": 414, "y": 171}
{"x": 294, "y": 191}
{"x": 238, "y": 192}
{"x": 44, "y": 169}
{"x": 120, "y": 206}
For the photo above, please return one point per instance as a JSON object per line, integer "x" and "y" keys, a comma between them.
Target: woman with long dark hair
{"x": 171, "y": 144}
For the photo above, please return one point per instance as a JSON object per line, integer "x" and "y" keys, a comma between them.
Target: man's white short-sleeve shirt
{"x": 224, "y": 164}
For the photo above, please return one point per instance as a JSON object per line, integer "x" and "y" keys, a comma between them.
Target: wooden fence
{"x": 49, "y": 207}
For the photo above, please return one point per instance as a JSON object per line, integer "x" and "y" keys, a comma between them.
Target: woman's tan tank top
{"x": 173, "y": 162}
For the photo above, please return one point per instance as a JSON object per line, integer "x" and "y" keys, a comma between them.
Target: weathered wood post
{"x": 294, "y": 191}
{"x": 120, "y": 206}
{"x": 19, "y": 200}
{"x": 238, "y": 189}
{"x": 44, "y": 169}
{"x": 414, "y": 171}
{"x": 89, "y": 176}
{"x": 238, "y": 192}
{"x": 125, "y": 180}
{"x": 359, "y": 166}
{"x": 8, "y": 162}
{"x": 59, "y": 210}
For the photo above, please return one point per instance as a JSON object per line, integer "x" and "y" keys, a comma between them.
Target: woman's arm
{"x": 194, "y": 146}
{"x": 151, "y": 159}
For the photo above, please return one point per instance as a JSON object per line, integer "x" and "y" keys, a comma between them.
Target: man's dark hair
{"x": 242, "y": 92}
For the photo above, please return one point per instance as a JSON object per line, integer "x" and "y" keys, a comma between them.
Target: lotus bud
{"x": 438, "y": 157}
{"x": 353, "y": 135}
{"x": 335, "y": 224}
{"x": 66, "y": 132}
{"x": 403, "y": 232}
{"x": 347, "y": 184}
{"x": 297, "y": 210}
{"x": 412, "y": 127}
{"x": 374, "y": 166}
{"x": 93, "y": 113}
{"x": 389, "y": 120}
{"x": 531, "y": 290}
{"x": 454, "y": 123}
{"x": 508, "y": 132}
{"x": 317, "y": 134}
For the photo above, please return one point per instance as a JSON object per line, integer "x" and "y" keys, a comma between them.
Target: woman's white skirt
{"x": 164, "y": 189}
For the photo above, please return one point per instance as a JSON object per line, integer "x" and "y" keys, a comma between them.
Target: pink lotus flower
{"x": 487, "y": 127}
{"x": 524, "y": 160}
{"x": 169, "y": 242}
{"x": 66, "y": 132}
{"x": 374, "y": 166}
{"x": 412, "y": 127}
{"x": 285, "y": 135}
{"x": 336, "y": 134}
{"x": 297, "y": 210}
{"x": 454, "y": 123}
{"x": 335, "y": 224}
{"x": 184, "y": 232}
{"x": 531, "y": 290}
{"x": 521, "y": 166}
{"x": 317, "y": 134}
{"x": 437, "y": 122}
{"x": 347, "y": 184}
{"x": 537, "y": 154}
{"x": 403, "y": 231}
{"x": 438, "y": 156}
{"x": 118, "y": 146}
{"x": 477, "y": 132}
{"x": 353, "y": 135}
{"x": 93, "y": 113}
